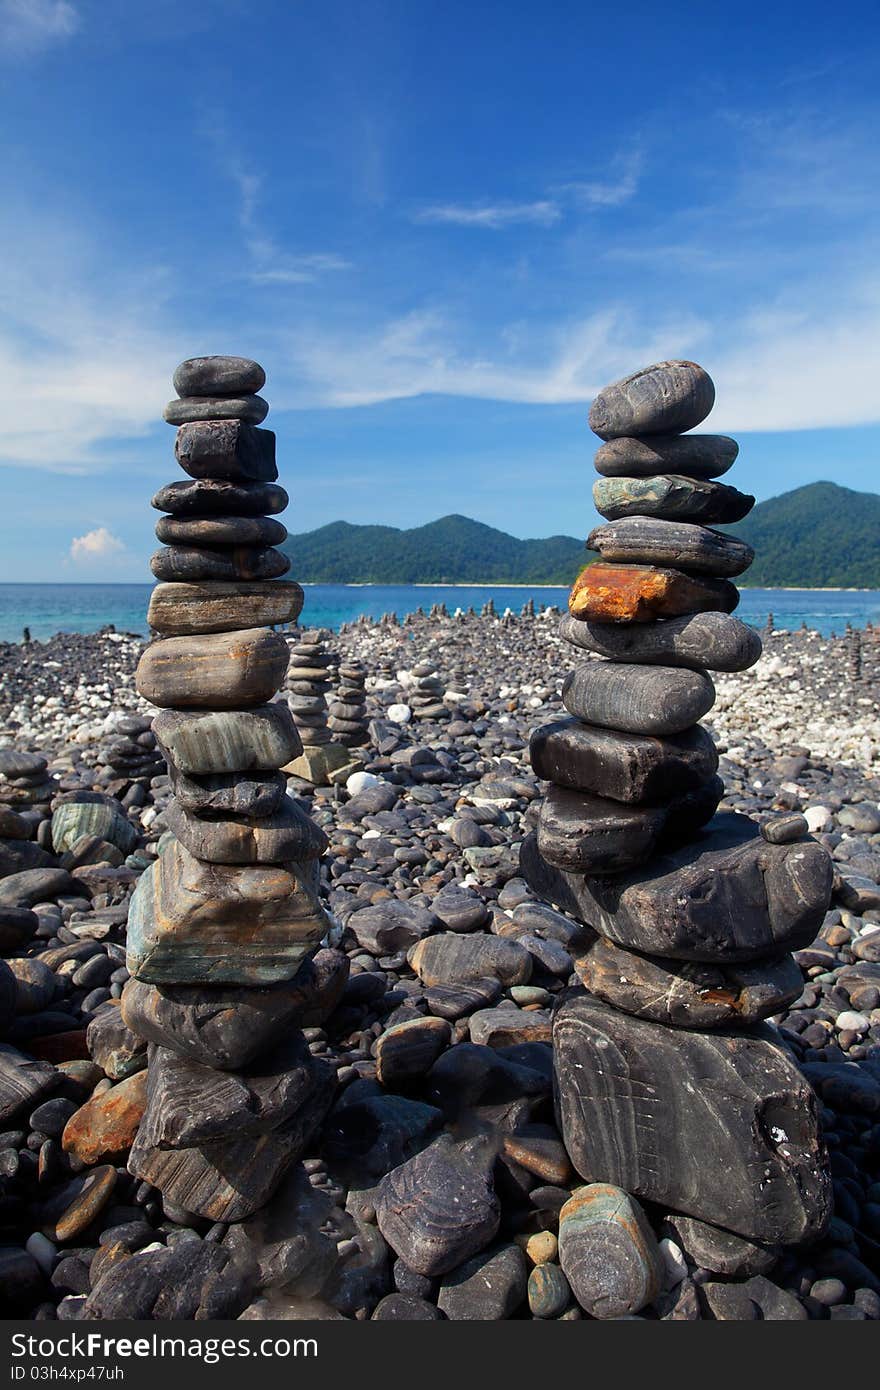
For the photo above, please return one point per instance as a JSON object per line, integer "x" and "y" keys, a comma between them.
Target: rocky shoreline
{"x": 431, "y": 998}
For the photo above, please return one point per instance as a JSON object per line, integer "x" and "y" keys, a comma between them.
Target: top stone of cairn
{"x": 667, "y": 398}
{"x": 219, "y": 376}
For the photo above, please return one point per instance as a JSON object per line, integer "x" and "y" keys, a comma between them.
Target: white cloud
{"x": 26, "y": 26}
{"x": 494, "y": 216}
{"x": 99, "y": 544}
{"x": 607, "y": 193}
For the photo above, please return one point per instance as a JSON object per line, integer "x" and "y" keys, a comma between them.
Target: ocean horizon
{"x": 47, "y": 609}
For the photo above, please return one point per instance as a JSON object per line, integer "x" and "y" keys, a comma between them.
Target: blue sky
{"x": 441, "y": 227}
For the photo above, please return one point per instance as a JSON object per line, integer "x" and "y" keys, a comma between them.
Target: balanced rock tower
{"x": 223, "y": 925}
{"x": 668, "y": 1083}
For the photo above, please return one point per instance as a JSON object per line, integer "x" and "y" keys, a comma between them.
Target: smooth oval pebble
{"x": 648, "y": 540}
{"x": 703, "y": 641}
{"x": 668, "y": 397}
{"x": 251, "y": 410}
{"x": 220, "y": 530}
{"x": 218, "y": 376}
{"x": 214, "y": 671}
{"x": 549, "y": 1291}
{"x": 191, "y": 564}
{"x": 694, "y": 455}
{"x": 649, "y": 700}
{"x": 608, "y": 1252}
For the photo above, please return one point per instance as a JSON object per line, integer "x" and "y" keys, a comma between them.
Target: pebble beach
{"x": 430, "y": 997}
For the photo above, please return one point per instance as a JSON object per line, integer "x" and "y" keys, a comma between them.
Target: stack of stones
{"x": 222, "y": 927}
{"x": 308, "y": 681}
{"x": 425, "y": 692}
{"x": 669, "y": 1084}
{"x": 347, "y": 719}
{"x": 25, "y": 780}
{"x": 129, "y": 753}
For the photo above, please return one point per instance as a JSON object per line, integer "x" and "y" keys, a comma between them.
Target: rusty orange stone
{"x": 640, "y": 593}
{"x": 103, "y": 1129}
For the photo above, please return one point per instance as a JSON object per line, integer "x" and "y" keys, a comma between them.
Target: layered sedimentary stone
{"x": 608, "y": 1252}
{"x": 702, "y": 1123}
{"x": 227, "y": 450}
{"x": 594, "y": 835}
{"x": 633, "y": 768}
{"x": 193, "y": 923}
{"x": 700, "y": 641}
{"x": 213, "y": 671}
{"x": 200, "y": 497}
{"x": 728, "y": 896}
{"x": 648, "y": 540}
{"x": 609, "y": 593}
{"x": 669, "y": 397}
{"x": 191, "y": 564}
{"x": 671, "y": 496}
{"x": 274, "y": 838}
{"x": 658, "y": 700}
{"x": 437, "y": 1208}
{"x": 693, "y": 455}
{"x": 207, "y": 742}
{"x": 178, "y": 610}
{"x": 688, "y": 994}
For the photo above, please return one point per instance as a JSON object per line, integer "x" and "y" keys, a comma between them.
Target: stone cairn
{"x": 347, "y": 718}
{"x": 669, "y": 1085}
{"x": 308, "y": 680}
{"x": 222, "y": 927}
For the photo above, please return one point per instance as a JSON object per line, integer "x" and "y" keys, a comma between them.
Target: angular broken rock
{"x": 666, "y": 398}
{"x": 449, "y": 957}
{"x": 589, "y": 834}
{"x": 178, "y": 609}
{"x": 235, "y": 793}
{"x": 196, "y": 923}
{"x": 229, "y": 1181}
{"x": 214, "y": 671}
{"x": 649, "y": 540}
{"x": 609, "y": 593}
{"x": 694, "y": 455}
{"x": 728, "y": 896}
{"x": 719, "y": 1126}
{"x": 608, "y": 1252}
{"x": 671, "y": 496}
{"x": 189, "y": 1104}
{"x": 204, "y": 742}
{"x": 641, "y": 700}
{"x": 226, "y": 449}
{"x": 688, "y": 994}
{"x": 702, "y": 641}
{"x": 632, "y": 768}
{"x": 283, "y": 835}
{"x": 228, "y": 1026}
{"x": 438, "y": 1208}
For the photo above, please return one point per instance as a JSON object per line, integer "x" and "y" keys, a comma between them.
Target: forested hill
{"x": 453, "y": 550}
{"x": 821, "y": 535}
{"x": 818, "y": 536}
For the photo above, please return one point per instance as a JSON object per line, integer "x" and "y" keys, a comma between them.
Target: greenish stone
{"x": 74, "y": 819}
{"x": 672, "y": 497}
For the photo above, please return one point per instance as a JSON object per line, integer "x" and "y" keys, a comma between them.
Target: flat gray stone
{"x": 252, "y": 410}
{"x": 666, "y": 398}
{"x": 647, "y": 540}
{"x": 633, "y": 768}
{"x": 177, "y": 610}
{"x": 699, "y": 641}
{"x": 193, "y": 564}
{"x": 637, "y": 699}
{"x": 449, "y": 958}
{"x": 220, "y": 530}
{"x": 693, "y": 455}
{"x": 719, "y": 1126}
{"x": 671, "y": 496}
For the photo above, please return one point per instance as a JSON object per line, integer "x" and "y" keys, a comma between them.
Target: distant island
{"x": 818, "y": 536}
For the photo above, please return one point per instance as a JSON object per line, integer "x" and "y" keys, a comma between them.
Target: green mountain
{"x": 453, "y": 550}
{"x": 818, "y": 536}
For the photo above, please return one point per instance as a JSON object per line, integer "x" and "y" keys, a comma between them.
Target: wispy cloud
{"x": 27, "y": 26}
{"x": 99, "y": 544}
{"x": 492, "y": 215}
{"x": 612, "y": 192}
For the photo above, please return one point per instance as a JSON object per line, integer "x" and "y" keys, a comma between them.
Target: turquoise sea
{"x": 50, "y": 608}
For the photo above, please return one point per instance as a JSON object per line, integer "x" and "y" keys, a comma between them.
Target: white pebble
{"x": 399, "y": 714}
{"x": 818, "y": 819}
{"x": 851, "y": 1022}
{"x": 674, "y": 1263}
{"x": 361, "y": 781}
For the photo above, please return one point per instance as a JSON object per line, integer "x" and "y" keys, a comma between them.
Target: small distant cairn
{"x": 129, "y": 754}
{"x": 425, "y": 694}
{"x": 528, "y": 609}
{"x": 488, "y": 609}
{"x": 222, "y": 927}
{"x": 347, "y": 719}
{"x": 768, "y": 626}
{"x": 668, "y": 1085}
{"x": 308, "y": 681}
{"x": 854, "y": 654}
